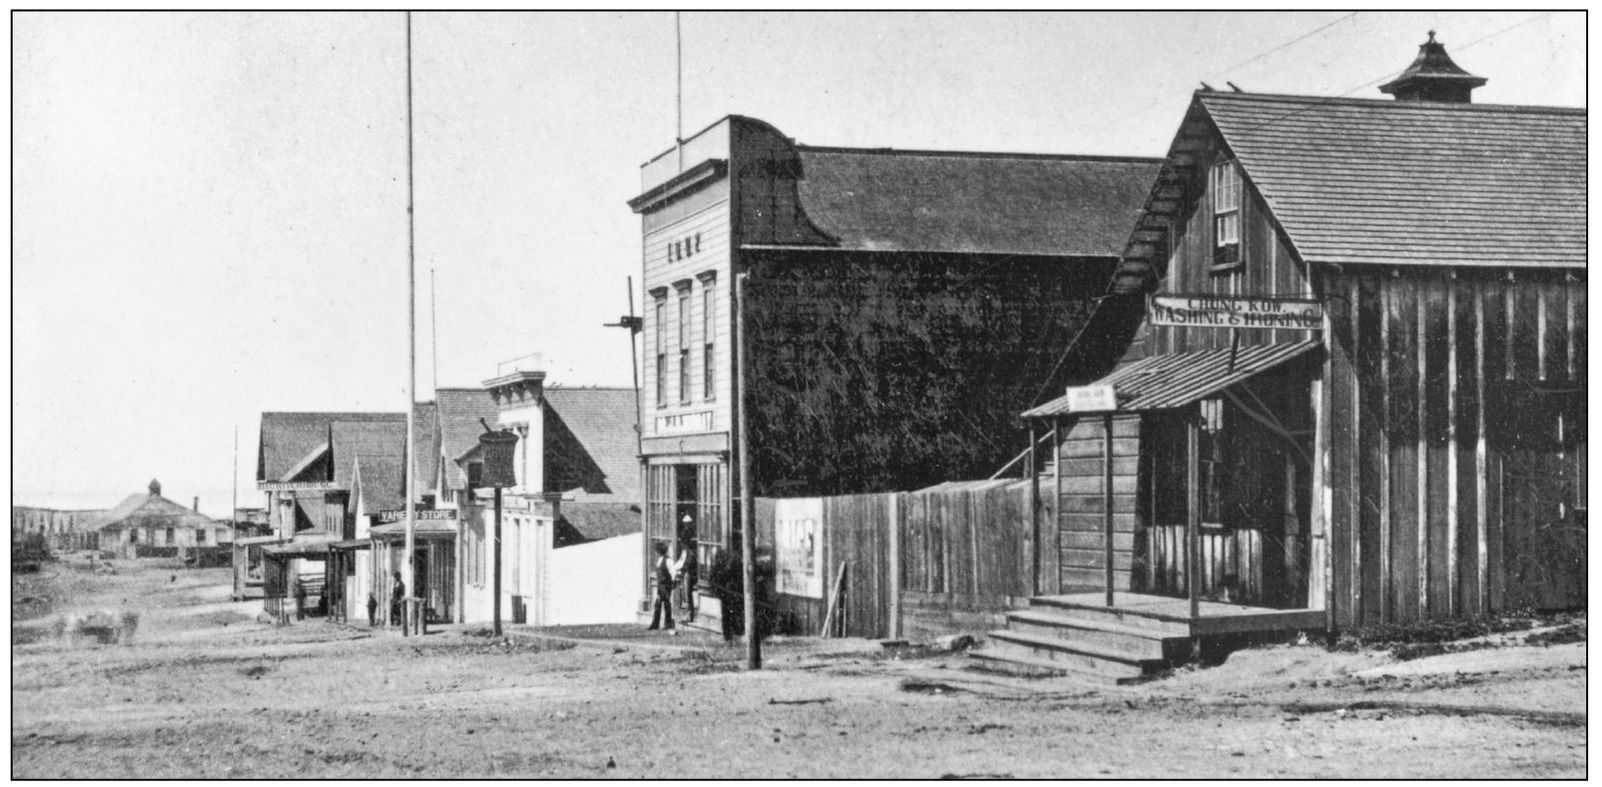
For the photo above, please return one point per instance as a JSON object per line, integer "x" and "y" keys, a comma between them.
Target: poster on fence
{"x": 798, "y": 546}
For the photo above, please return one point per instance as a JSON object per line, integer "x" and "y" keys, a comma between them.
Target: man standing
{"x": 689, "y": 570}
{"x": 728, "y": 585}
{"x": 662, "y": 609}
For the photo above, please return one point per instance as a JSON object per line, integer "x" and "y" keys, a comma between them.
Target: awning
{"x": 1172, "y": 380}
{"x": 422, "y": 528}
{"x": 295, "y": 549}
{"x": 354, "y": 543}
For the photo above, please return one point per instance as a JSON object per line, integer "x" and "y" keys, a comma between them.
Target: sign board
{"x": 1092, "y": 399}
{"x": 798, "y": 546}
{"x": 295, "y": 486}
{"x": 389, "y": 515}
{"x": 1236, "y": 311}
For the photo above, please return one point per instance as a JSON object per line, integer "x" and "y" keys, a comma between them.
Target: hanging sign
{"x": 798, "y": 542}
{"x": 1092, "y": 399}
{"x": 1236, "y": 311}
{"x": 390, "y": 515}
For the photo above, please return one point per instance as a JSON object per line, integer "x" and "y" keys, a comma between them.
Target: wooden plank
{"x": 1371, "y": 490}
{"x": 1095, "y": 484}
{"x": 1555, "y": 315}
{"x": 1122, "y": 465}
{"x": 1123, "y": 542}
{"x": 1465, "y": 435}
{"x": 1093, "y": 504}
{"x": 1092, "y": 449}
{"x": 1123, "y": 521}
{"x": 1193, "y": 514}
{"x": 1097, "y": 559}
{"x": 1050, "y": 544}
{"x": 1492, "y": 303}
{"x": 1436, "y": 481}
{"x": 1401, "y": 375}
{"x": 1575, "y": 301}
{"x": 1341, "y": 487}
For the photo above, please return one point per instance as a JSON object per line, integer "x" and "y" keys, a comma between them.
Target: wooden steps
{"x": 1101, "y": 645}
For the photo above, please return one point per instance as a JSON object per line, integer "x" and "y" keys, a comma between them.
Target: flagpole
{"x": 411, "y": 346}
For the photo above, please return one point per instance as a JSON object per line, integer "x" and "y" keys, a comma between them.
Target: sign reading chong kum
{"x": 1233, "y": 311}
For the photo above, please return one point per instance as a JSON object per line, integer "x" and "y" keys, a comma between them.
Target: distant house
{"x": 150, "y": 525}
{"x": 56, "y": 529}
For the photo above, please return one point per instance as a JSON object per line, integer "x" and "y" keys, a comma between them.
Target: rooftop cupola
{"x": 1433, "y": 77}
{"x": 155, "y": 488}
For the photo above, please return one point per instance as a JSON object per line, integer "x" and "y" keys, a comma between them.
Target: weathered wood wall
{"x": 1456, "y": 443}
{"x": 1080, "y": 483}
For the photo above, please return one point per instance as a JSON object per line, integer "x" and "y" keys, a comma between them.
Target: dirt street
{"x": 205, "y": 691}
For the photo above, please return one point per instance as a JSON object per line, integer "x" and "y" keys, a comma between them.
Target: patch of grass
{"x": 1407, "y": 641}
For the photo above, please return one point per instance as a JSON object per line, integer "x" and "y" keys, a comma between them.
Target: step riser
{"x": 1078, "y": 662}
{"x": 1127, "y": 645}
{"x": 1113, "y": 615}
{"x": 1001, "y": 664}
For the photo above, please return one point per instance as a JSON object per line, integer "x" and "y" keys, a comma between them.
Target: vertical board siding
{"x": 1344, "y": 508}
{"x": 1372, "y": 533}
{"x": 1494, "y": 297}
{"x": 1402, "y": 433}
{"x": 1435, "y": 346}
{"x": 1465, "y": 437}
{"x": 1082, "y": 559}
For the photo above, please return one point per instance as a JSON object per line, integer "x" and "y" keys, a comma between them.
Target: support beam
{"x": 1193, "y": 513}
{"x": 1107, "y": 496}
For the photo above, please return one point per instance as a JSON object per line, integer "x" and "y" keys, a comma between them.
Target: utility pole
{"x": 411, "y": 349}
{"x": 753, "y": 648}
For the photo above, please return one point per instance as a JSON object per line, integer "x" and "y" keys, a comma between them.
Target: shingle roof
{"x": 590, "y": 443}
{"x": 378, "y": 479}
{"x": 973, "y": 202}
{"x": 287, "y": 438}
{"x": 458, "y": 428}
{"x": 427, "y": 455}
{"x": 582, "y": 522}
{"x": 1414, "y": 182}
{"x": 365, "y": 438}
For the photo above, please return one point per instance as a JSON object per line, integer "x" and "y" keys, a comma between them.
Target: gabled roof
{"x": 379, "y": 481}
{"x": 288, "y": 438}
{"x": 583, "y": 522}
{"x": 152, "y": 510}
{"x": 459, "y": 410}
{"x": 973, "y": 203}
{"x": 590, "y": 443}
{"x": 1414, "y": 182}
{"x": 366, "y": 438}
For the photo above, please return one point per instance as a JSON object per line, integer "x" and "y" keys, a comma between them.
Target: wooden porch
{"x": 1213, "y": 617}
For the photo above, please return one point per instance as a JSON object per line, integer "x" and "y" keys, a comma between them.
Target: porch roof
{"x": 421, "y": 528}
{"x": 297, "y": 549}
{"x": 1162, "y": 382}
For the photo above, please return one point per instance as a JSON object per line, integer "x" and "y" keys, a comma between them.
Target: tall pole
{"x": 678, "y": 90}
{"x": 497, "y": 572}
{"x": 233, "y": 510}
{"x": 433, "y": 327}
{"x": 411, "y": 345}
{"x": 753, "y": 648}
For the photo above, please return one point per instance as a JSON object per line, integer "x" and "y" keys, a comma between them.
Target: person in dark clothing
{"x": 689, "y": 571}
{"x": 762, "y": 576}
{"x": 729, "y": 586}
{"x": 397, "y": 602}
{"x": 662, "y": 609}
{"x": 372, "y": 611}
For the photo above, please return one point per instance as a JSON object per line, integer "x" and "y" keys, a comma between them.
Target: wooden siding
{"x": 663, "y": 269}
{"x": 1081, "y": 521}
{"x": 1456, "y": 431}
{"x": 1269, "y": 268}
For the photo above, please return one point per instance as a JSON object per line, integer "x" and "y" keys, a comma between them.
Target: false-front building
{"x": 900, "y": 307}
{"x": 1357, "y": 376}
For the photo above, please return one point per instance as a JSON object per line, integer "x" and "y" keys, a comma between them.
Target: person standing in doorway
{"x": 662, "y": 610}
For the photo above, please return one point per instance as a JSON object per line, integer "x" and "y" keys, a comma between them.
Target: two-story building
{"x": 1357, "y": 378}
{"x": 900, "y": 307}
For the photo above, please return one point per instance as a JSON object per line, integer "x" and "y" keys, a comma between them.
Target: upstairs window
{"x": 659, "y": 327}
{"x": 1224, "y": 184}
{"x": 684, "y": 343}
{"x": 708, "y": 331}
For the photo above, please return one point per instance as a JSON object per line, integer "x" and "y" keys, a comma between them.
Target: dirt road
{"x": 206, "y": 692}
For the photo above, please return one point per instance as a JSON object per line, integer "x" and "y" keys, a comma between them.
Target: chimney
{"x": 1433, "y": 77}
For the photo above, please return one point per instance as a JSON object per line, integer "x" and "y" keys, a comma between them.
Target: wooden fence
{"x": 952, "y": 558}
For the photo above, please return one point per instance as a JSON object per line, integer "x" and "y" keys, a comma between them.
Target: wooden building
{"x": 150, "y": 525}
{"x": 900, "y": 307}
{"x": 1356, "y": 368}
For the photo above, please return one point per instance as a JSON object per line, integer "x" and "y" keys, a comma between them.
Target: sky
{"x": 209, "y": 209}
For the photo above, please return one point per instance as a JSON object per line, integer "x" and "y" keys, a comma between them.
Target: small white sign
{"x": 1092, "y": 399}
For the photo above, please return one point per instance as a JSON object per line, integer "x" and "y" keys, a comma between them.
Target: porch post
{"x": 1193, "y": 514}
{"x": 1107, "y": 498}
{"x": 1034, "y": 512}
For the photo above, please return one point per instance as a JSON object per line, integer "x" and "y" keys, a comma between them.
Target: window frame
{"x": 708, "y": 336}
{"x": 685, "y": 326}
{"x": 659, "y": 333}
{"x": 1226, "y": 188}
